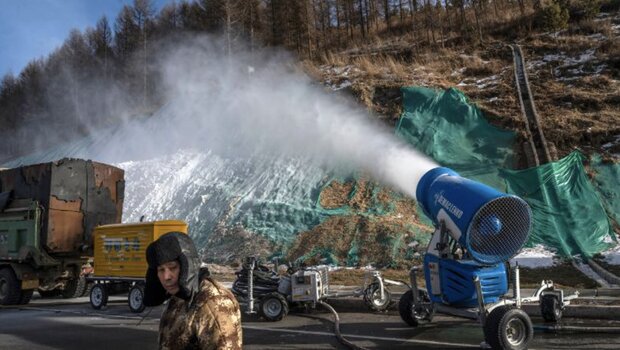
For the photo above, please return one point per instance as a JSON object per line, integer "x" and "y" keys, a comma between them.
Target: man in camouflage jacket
{"x": 201, "y": 313}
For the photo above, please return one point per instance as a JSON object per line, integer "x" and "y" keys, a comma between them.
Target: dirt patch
{"x": 389, "y": 237}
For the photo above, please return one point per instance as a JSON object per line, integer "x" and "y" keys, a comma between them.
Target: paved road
{"x": 58, "y": 324}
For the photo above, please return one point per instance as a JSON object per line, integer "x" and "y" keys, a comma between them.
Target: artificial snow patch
{"x": 342, "y": 85}
{"x": 613, "y": 143}
{"x": 612, "y": 256}
{"x": 483, "y": 83}
{"x": 535, "y": 257}
{"x": 597, "y": 36}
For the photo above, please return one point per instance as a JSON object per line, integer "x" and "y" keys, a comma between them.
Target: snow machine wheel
{"x": 273, "y": 307}
{"x": 508, "y": 328}
{"x": 10, "y": 289}
{"x": 372, "y": 297}
{"x": 414, "y": 314}
{"x": 550, "y": 308}
{"x": 98, "y": 296}
{"x": 135, "y": 299}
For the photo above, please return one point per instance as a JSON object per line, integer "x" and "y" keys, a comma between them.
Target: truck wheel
{"x": 25, "y": 296}
{"x": 74, "y": 288}
{"x": 10, "y": 290}
{"x": 414, "y": 314}
{"x": 372, "y": 297}
{"x": 550, "y": 308}
{"x": 508, "y": 328}
{"x": 89, "y": 286}
{"x": 135, "y": 299}
{"x": 273, "y": 307}
{"x": 98, "y": 296}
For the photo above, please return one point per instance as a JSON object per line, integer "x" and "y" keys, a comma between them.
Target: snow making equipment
{"x": 120, "y": 259}
{"x": 477, "y": 230}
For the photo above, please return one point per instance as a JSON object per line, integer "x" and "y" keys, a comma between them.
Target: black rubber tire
{"x": 508, "y": 328}
{"x": 10, "y": 289}
{"x": 372, "y": 297}
{"x": 74, "y": 288}
{"x": 550, "y": 308}
{"x": 25, "y": 296}
{"x": 407, "y": 312}
{"x": 135, "y": 299}
{"x": 98, "y": 296}
{"x": 273, "y": 307}
{"x": 89, "y": 286}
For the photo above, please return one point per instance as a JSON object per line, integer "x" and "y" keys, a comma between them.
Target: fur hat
{"x": 171, "y": 246}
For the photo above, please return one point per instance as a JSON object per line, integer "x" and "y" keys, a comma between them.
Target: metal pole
{"x": 414, "y": 284}
{"x": 517, "y": 285}
{"x": 252, "y": 263}
{"x": 482, "y": 310}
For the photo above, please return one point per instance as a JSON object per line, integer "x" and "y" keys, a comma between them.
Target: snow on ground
{"x": 534, "y": 257}
{"x": 612, "y": 256}
{"x": 567, "y": 68}
{"x": 540, "y": 256}
{"x": 613, "y": 143}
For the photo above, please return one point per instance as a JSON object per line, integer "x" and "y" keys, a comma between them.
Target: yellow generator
{"x": 120, "y": 259}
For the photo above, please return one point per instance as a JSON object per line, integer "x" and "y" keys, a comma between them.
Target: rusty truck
{"x": 48, "y": 213}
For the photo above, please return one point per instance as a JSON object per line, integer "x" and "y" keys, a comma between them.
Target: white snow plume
{"x": 220, "y": 105}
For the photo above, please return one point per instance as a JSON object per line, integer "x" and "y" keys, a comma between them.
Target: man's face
{"x": 168, "y": 274}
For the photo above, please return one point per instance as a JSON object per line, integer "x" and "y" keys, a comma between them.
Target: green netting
{"x": 444, "y": 126}
{"x": 568, "y": 214}
{"x": 606, "y": 176}
{"x": 567, "y": 211}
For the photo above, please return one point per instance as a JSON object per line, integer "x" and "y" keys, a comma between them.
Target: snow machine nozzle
{"x": 491, "y": 225}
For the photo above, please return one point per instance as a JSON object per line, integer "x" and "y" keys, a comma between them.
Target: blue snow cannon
{"x": 478, "y": 229}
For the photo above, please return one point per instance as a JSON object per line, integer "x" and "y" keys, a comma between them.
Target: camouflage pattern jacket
{"x": 211, "y": 320}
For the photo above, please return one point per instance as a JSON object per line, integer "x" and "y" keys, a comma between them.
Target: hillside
{"x": 574, "y": 75}
{"x": 247, "y": 145}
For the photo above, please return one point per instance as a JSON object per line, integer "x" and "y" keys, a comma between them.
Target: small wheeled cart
{"x": 120, "y": 260}
{"x": 504, "y": 323}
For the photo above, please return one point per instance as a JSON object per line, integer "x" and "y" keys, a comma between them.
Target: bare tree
{"x": 99, "y": 40}
{"x": 143, "y": 11}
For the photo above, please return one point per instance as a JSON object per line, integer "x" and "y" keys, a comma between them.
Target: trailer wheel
{"x": 414, "y": 314}
{"x": 372, "y": 297}
{"x": 135, "y": 298}
{"x": 273, "y": 307}
{"x": 550, "y": 308}
{"x": 98, "y": 296}
{"x": 508, "y": 328}
{"x": 10, "y": 290}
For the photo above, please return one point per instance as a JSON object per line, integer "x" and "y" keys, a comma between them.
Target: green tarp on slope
{"x": 568, "y": 214}
{"x": 444, "y": 126}
{"x": 606, "y": 178}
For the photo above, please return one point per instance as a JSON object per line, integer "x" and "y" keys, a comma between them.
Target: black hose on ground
{"x": 558, "y": 328}
{"x": 144, "y": 317}
{"x": 264, "y": 280}
{"x": 341, "y": 339}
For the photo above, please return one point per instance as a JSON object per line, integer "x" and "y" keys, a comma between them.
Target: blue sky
{"x": 31, "y": 29}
